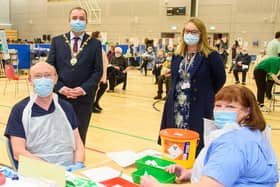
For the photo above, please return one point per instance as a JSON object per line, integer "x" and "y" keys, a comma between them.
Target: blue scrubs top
{"x": 242, "y": 158}
{"x": 15, "y": 125}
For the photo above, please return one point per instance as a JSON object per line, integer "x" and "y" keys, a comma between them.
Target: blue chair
{"x": 7, "y": 157}
{"x": 14, "y": 162}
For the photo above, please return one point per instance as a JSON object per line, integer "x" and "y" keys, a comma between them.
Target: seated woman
{"x": 239, "y": 157}
{"x": 116, "y": 70}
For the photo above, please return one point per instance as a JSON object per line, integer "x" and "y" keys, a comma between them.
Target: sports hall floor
{"x": 130, "y": 119}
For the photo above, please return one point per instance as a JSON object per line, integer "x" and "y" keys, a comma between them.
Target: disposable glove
{"x": 76, "y": 166}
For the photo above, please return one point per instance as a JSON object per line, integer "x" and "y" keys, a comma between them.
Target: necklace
{"x": 74, "y": 56}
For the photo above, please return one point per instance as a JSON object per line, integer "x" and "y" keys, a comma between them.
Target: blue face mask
{"x": 43, "y": 87}
{"x": 191, "y": 39}
{"x": 223, "y": 117}
{"x": 78, "y": 25}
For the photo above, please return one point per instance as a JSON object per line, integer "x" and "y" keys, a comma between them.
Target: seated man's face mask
{"x": 43, "y": 86}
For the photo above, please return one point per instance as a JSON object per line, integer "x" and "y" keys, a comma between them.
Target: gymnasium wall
{"x": 249, "y": 20}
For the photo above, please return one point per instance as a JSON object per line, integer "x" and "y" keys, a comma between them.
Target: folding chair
{"x": 11, "y": 76}
{"x": 273, "y": 100}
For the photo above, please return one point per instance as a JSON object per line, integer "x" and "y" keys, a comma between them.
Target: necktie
{"x": 75, "y": 46}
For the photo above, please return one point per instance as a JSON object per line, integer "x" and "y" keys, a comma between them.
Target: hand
{"x": 76, "y": 166}
{"x": 66, "y": 91}
{"x": 117, "y": 67}
{"x": 149, "y": 181}
{"x": 239, "y": 63}
{"x": 76, "y": 92}
{"x": 181, "y": 172}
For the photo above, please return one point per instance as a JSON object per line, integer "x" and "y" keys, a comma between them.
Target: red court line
{"x": 95, "y": 150}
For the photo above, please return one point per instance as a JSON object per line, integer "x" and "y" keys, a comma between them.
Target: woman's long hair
{"x": 203, "y": 45}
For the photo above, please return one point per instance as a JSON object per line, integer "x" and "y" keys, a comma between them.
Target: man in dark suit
{"x": 78, "y": 60}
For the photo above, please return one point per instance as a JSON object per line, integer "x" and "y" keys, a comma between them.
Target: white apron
{"x": 51, "y": 136}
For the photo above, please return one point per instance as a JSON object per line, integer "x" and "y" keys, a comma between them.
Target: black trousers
{"x": 156, "y": 72}
{"x": 162, "y": 79}
{"x": 83, "y": 111}
{"x": 144, "y": 65}
{"x": 101, "y": 90}
{"x": 269, "y": 85}
{"x": 115, "y": 77}
{"x": 244, "y": 73}
{"x": 260, "y": 78}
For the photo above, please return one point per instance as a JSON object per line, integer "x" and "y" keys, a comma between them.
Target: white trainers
{"x": 265, "y": 109}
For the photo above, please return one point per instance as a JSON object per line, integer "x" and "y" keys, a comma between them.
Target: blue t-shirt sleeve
{"x": 70, "y": 113}
{"x": 224, "y": 162}
{"x": 14, "y": 126}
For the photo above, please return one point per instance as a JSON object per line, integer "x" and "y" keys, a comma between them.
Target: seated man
{"x": 148, "y": 57}
{"x": 164, "y": 77}
{"x": 117, "y": 69}
{"x": 243, "y": 61}
{"x": 43, "y": 126}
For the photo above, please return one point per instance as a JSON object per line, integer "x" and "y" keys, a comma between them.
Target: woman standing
{"x": 103, "y": 81}
{"x": 197, "y": 74}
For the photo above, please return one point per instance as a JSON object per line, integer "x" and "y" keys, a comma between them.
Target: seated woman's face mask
{"x": 226, "y": 112}
{"x": 223, "y": 117}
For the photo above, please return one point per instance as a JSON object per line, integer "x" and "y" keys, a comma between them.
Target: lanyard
{"x": 187, "y": 63}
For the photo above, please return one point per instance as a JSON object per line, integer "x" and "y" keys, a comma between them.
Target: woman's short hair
{"x": 95, "y": 34}
{"x": 118, "y": 49}
{"x": 247, "y": 99}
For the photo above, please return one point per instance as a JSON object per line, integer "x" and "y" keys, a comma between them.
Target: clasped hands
{"x": 72, "y": 93}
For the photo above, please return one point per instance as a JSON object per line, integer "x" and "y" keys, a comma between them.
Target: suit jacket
{"x": 86, "y": 73}
{"x": 206, "y": 80}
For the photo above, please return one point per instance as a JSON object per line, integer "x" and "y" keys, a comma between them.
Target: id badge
{"x": 185, "y": 85}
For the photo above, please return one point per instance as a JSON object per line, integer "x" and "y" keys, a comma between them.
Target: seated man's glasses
{"x": 45, "y": 75}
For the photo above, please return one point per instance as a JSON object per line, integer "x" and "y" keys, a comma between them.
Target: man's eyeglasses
{"x": 45, "y": 75}
{"x": 192, "y": 32}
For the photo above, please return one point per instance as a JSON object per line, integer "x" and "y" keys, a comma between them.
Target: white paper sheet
{"x": 123, "y": 158}
{"x": 102, "y": 173}
{"x": 127, "y": 158}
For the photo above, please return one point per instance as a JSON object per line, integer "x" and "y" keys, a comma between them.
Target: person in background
{"x": 252, "y": 161}
{"x": 269, "y": 67}
{"x": 111, "y": 52}
{"x": 148, "y": 57}
{"x": 260, "y": 57}
{"x": 103, "y": 81}
{"x": 43, "y": 126}
{"x": 158, "y": 64}
{"x": 224, "y": 55}
{"x": 164, "y": 77}
{"x": 243, "y": 61}
{"x": 77, "y": 58}
{"x": 273, "y": 47}
{"x": 197, "y": 74}
{"x": 117, "y": 70}
{"x": 235, "y": 50}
